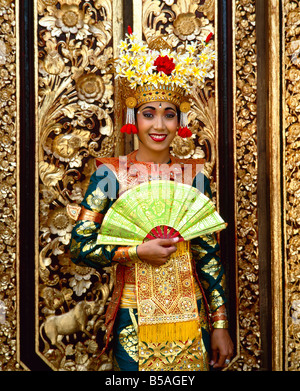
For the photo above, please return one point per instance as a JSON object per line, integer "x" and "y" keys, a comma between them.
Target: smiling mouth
{"x": 158, "y": 137}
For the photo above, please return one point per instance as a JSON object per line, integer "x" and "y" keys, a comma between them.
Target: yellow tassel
{"x": 176, "y": 331}
{"x": 180, "y": 331}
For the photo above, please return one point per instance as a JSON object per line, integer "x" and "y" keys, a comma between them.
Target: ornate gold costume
{"x": 157, "y": 348}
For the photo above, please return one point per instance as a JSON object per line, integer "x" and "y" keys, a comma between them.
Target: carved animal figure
{"x": 56, "y": 326}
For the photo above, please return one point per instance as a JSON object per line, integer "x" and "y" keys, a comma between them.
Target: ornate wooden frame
{"x": 282, "y": 157}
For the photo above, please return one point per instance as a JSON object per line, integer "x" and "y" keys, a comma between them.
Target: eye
{"x": 147, "y": 115}
{"x": 170, "y": 115}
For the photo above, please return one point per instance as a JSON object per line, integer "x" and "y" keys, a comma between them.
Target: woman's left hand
{"x": 222, "y": 348}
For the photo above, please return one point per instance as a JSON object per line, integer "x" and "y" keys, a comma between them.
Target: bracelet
{"x": 121, "y": 255}
{"x": 77, "y": 212}
{"x": 220, "y": 324}
{"x": 219, "y": 315}
{"x": 132, "y": 253}
{"x": 219, "y": 318}
{"x": 216, "y": 318}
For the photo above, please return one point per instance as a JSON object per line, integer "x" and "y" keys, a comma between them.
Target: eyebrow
{"x": 153, "y": 108}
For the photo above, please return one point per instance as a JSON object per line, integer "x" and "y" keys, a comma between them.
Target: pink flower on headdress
{"x": 164, "y": 64}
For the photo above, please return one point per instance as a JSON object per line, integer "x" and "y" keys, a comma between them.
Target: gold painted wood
{"x": 9, "y": 186}
{"x": 245, "y": 155}
{"x": 275, "y": 186}
{"x": 118, "y": 23}
{"x": 78, "y": 117}
{"x": 290, "y": 175}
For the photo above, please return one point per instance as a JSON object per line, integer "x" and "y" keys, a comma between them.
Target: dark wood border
{"x": 27, "y": 180}
{"x": 226, "y": 155}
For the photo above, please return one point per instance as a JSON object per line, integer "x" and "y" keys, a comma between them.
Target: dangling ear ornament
{"x": 130, "y": 127}
{"x": 184, "y": 131}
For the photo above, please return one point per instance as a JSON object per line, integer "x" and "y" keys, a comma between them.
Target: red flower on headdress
{"x": 209, "y": 37}
{"x": 129, "y": 30}
{"x": 164, "y": 64}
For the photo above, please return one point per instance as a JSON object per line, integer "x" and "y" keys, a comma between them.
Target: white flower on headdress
{"x": 123, "y": 45}
{"x": 140, "y": 65}
{"x": 191, "y": 48}
{"x": 147, "y": 66}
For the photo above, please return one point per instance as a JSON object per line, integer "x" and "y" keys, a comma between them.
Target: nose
{"x": 159, "y": 122}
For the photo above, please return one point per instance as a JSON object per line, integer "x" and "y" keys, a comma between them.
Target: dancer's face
{"x": 157, "y": 123}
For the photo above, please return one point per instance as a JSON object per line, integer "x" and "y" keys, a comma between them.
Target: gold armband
{"x": 219, "y": 318}
{"x": 77, "y": 212}
{"x": 126, "y": 256}
{"x": 89, "y": 215}
{"x": 121, "y": 255}
{"x": 132, "y": 253}
{"x": 220, "y": 324}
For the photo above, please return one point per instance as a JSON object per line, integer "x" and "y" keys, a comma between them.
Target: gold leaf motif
{"x": 90, "y": 87}
{"x": 187, "y": 26}
{"x": 66, "y": 146}
{"x": 50, "y": 174}
{"x": 54, "y": 63}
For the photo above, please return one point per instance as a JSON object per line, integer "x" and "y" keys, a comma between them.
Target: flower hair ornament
{"x": 156, "y": 72}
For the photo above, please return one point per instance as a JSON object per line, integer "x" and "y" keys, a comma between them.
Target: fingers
{"x": 222, "y": 348}
{"x": 157, "y": 251}
{"x": 219, "y": 361}
{"x": 165, "y": 247}
{"x": 214, "y": 357}
{"x": 169, "y": 246}
{"x": 167, "y": 242}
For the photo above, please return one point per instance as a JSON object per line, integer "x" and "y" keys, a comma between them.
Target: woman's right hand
{"x": 157, "y": 251}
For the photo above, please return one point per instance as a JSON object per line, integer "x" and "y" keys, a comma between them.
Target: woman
{"x": 157, "y": 122}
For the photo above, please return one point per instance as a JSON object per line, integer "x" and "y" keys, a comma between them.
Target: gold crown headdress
{"x": 155, "y": 72}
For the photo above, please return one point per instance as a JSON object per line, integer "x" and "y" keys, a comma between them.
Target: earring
{"x": 129, "y": 126}
{"x": 183, "y": 130}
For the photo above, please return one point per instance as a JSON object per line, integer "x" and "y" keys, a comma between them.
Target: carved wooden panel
{"x": 75, "y": 125}
{"x": 245, "y": 75}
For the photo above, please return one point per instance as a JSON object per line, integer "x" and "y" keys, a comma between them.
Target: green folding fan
{"x": 159, "y": 209}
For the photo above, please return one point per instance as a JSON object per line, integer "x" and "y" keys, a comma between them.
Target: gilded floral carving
{"x": 8, "y": 188}
{"x": 187, "y": 26}
{"x": 291, "y": 69}
{"x": 246, "y": 185}
{"x": 75, "y": 125}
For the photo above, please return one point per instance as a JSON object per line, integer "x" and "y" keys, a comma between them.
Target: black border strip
{"x": 263, "y": 187}
{"x": 27, "y": 179}
{"x": 226, "y": 154}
